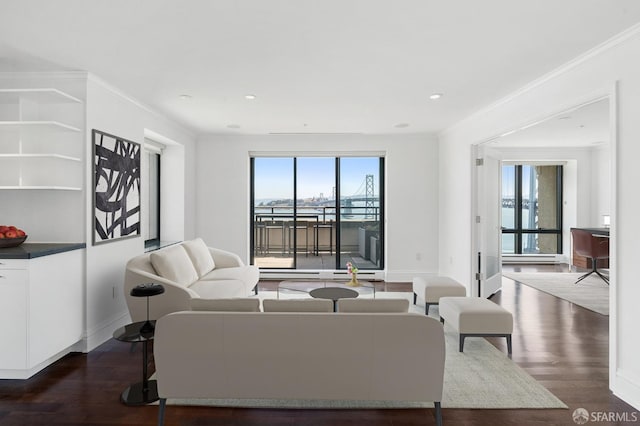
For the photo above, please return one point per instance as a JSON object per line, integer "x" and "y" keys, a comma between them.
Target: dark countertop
{"x": 32, "y": 250}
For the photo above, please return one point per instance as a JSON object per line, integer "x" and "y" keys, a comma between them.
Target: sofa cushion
{"x": 297, "y": 305}
{"x": 219, "y": 289}
{"x": 236, "y": 273}
{"x": 226, "y": 305}
{"x": 200, "y": 256}
{"x": 174, "y": 264}
{"x": 373, "y": 305}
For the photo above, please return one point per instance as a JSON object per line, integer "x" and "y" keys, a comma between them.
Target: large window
{"x": 317, "y": 212}
{"x": 531, "y": 209}
{"x": 151, "y": 202}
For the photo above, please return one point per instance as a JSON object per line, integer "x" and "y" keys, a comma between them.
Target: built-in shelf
{"x": 58, "y": 156}
{"x": 41, "y": 96}
{"x": 47, "y": 125}
{"x": 57, "y": 188}
{"x": 38, "y": 149}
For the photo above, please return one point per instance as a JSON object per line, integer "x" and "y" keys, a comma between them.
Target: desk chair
{"x": 592, "y": 246}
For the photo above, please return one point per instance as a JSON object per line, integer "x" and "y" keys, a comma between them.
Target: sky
{"x": 316, "y": 175}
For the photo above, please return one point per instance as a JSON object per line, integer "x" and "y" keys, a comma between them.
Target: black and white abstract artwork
{"x": 116, "y": 180}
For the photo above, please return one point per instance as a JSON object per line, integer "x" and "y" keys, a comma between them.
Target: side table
{"x": 146, "y": 391}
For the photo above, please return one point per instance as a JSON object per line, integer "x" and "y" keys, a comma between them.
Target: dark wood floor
{"x": 563, "y": 346}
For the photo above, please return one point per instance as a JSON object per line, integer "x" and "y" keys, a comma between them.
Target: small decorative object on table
{"x": 353, "y": 271}
{"x": 10, "y": 236}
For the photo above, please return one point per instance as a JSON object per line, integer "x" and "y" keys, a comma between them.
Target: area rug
{"x": 591, "y": 293}
{"x": 480, "y": 377}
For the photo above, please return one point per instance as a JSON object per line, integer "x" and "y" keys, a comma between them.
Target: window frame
{"x": 518, "y": 231}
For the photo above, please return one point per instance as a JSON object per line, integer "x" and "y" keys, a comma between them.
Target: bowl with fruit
{"x": 11, "y": 236}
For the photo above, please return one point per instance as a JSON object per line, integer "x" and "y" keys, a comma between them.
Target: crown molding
{"x": 603, "y": 47}
{"x": 44, "y": 74}
{"x": 116, "y": 91}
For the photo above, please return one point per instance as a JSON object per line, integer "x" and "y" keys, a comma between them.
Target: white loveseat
{"x": 189, "y": 270}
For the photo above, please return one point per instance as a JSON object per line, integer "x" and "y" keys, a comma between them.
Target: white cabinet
{"x": 40, "y": 139}
{"x": 13, "y": 315}
{"x": 41, "y": 311}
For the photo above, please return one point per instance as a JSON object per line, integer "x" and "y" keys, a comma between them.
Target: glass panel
{"x": 508, "y": 243}
{"x": 360, "y": 239}
{"x": 154, "y": 197}
{"x": 539, "y": 243}
{"x": 316, "y": 213}
{"x": 547, "y": 200}
{"x": 529, "y": 197}
{"x": 151, "y": 203}
{"x": 508, "y": 198}
{"x": 273, "y": 212}
{"x": 539, "y": 197}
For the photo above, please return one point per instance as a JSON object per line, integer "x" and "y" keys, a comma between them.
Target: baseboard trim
{"x": 627, "y": 389}
{"x": 103, "y": 332}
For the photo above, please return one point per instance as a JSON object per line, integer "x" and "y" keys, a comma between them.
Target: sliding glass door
{"x": 297, "y": 221}
{"x": 273, "y": 211}
{"x": 360, "y": 213}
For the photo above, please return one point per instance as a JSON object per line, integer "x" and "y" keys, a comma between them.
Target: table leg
{"x": 144, "y": 392}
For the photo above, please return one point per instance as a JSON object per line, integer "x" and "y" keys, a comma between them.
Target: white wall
{"x": 111, "y": 111}
{"x": 585, "y": 79}
{"x": 602, "y": 183}
{"x": 411, "y": 191}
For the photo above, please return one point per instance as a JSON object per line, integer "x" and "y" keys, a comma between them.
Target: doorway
{"x": 576, "y": 143}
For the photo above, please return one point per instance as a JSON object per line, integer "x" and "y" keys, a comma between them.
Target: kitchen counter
{"x": 33, "y": 250}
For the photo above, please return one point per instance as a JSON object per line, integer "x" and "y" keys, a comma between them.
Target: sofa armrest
{"x": 225, "y": 259}
{"x": 175, "y": 297}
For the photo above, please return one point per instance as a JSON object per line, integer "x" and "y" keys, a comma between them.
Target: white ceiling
{"x": 330, "y": 66}
{"x": 584, "y": 126}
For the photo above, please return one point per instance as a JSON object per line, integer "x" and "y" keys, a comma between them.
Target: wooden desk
{"x": 585, "y": 262}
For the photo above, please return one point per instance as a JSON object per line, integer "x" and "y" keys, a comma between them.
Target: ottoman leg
{"x": 415, "y": 297}
{"x": 426, "y": 308}
{"x": 442, "y": 320}
{"x": 508, "y": 336}
{"x": 462, "y": 336}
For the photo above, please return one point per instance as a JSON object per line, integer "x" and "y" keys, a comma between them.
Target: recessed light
{"x": 435, "y": 96}
{"x": 233, "y": 126}
{"x": 401, "y": 125}
{"x": 185, "y": 97}
{"x": 250, "y": 97}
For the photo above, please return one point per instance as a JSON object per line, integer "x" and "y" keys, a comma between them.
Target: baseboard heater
{"x": 319, "y": 275}
{"x": 535, "y": 258}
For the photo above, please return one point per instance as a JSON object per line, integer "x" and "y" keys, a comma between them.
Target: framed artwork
{"x": 116, "y": 183}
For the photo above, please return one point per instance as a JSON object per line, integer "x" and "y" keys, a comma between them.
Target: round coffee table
{"x": 333, "y": 293}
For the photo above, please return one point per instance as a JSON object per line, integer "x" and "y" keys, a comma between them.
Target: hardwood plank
{"x": 563, "y": 346}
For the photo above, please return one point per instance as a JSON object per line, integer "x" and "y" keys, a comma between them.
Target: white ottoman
{"x": 433, "y": 288}
{"x": 476, "y": 317}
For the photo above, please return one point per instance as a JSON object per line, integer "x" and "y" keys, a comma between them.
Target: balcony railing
{"x": 311, "y": 232}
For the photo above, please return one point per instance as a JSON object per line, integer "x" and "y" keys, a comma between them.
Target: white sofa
{"x": 189, "y": 270}
{"x": 299, "y": 356}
